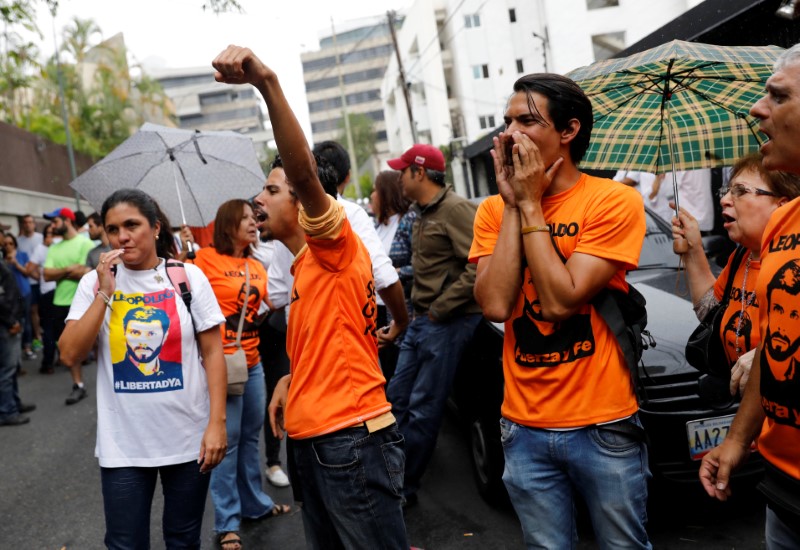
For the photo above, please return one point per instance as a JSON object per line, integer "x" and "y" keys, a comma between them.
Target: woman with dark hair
{"x": 20, "y": 265}
{"x": 752, "y": 195}
{"x": 161, "y": 376}
{"x": 389, "y": 206}
{"x": 240, "y": 285}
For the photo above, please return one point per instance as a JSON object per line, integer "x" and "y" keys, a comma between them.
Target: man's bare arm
{"x": 238, "y": 65}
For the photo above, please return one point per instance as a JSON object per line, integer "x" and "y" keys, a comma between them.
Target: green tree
{"x": 364, "y": 136}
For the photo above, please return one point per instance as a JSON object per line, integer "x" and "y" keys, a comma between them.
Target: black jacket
{"x": 12, "y": 305}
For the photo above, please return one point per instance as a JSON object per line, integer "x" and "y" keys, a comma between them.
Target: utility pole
{"x": 390, "y": 15}
{"x": 351, "y": 150}
{"x": 545, "y": 44}
{"x": 64, "y": 116}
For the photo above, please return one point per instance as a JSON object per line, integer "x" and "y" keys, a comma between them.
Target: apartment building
{"x": 363, "y": 48}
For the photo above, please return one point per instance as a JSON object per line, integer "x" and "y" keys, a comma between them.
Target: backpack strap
{"x": 176, "y": 273}
{"x": 608, "y": 308}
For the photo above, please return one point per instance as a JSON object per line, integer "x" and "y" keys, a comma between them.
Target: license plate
{"x": 706, "y": 434}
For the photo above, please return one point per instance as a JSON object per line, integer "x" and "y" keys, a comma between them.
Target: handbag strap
{"x": 738, "y": 255}
{"x": 244, "y": 307}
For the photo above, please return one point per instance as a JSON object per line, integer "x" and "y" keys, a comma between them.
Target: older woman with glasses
{"x": 749, "y": 200}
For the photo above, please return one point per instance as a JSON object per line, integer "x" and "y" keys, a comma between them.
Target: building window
{"x": 607, "y": 44}
{"x": 512, "y": 15}
{"x": 480, "y": 71}
{"x": 599, "y": 4}
{"x": 486, "y": 121}
{"x": 520, "y": 67}
{"x": 472, "y": 20}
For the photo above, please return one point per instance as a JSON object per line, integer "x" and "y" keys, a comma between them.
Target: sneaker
{"x": 15, "y": 420}
{"x": 29, "y": 355}
{"x": 37, "y": 345}
{"x": 277, "y": 477}
{"x": 26, "y": 407}
{"x": 76, "y": 395}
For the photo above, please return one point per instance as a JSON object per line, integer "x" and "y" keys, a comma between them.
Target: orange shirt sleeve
{"x": 486, "y": 227}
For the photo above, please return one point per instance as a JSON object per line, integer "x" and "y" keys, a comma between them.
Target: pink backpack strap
{"x": 176, "y": 273}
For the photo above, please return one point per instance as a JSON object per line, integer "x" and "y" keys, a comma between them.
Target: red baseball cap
{"x": 421, "y": 154}
{"x": 60, "y": 212}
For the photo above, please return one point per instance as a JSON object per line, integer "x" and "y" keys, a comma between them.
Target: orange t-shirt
{"x": 749, "y": 336}
{"x": 336, "y": 379}
{"x": 571, "y": 373}
{"x": 778, "y": 290}
{"x": 226, "y": 275}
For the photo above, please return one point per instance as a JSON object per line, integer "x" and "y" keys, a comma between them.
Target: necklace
{"x": 746, "y": 301}
{"x": 159, "y": 279}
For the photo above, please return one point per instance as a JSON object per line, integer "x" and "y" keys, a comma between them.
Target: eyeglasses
{"x": 738, "y": 190}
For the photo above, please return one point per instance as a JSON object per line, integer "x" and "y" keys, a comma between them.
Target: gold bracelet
{"x": 105, "y": 298}
{"x": 534, "y": 229}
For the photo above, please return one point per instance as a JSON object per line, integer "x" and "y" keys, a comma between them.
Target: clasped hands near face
{"x": 521, "y": 173}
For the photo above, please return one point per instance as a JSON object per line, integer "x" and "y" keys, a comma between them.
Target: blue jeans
{"x": 544, "y": 468}
{"x": 236, "y": 482}
{"x": 128, "y": 496}
{"x": 9, "y": 361}
{"x": 418, "y": 390}
{"x": 780, "y": 535}
{"x": 352, "y": 485}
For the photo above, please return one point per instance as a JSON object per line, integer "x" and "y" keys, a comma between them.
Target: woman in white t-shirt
{"x": 161, "y": 380}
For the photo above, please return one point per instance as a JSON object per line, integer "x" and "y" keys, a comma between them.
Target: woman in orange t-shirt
{"x": 236, "y": 486}
{"x": 748, "y": 201}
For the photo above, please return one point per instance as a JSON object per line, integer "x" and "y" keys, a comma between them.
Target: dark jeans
{"x": 9, "y": 362}
{"x": 352, "y": 486}
{"x": 387, "y": 355}
{"x": 27, "y": 326}
{"x": 429, "y": 356}
{"x": 47, "y": 320}
{"x": 128, "y": 496}
{"x": 272, "y": 347}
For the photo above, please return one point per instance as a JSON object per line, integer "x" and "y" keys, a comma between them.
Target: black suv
{"x": 684, "y": 414}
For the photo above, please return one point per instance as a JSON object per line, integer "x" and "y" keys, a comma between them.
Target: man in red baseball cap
{"x": 420, "y": 154}
{"x": 445, "y": 311}
{"x": 64, "y": 213}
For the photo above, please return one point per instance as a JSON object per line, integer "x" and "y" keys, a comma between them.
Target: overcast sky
{"x": 178, "y": 33}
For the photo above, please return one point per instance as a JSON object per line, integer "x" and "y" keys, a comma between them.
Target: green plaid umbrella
{"x": 697, "y": 96}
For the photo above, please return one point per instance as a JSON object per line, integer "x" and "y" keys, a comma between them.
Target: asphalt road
{"x": 50, "y": 493}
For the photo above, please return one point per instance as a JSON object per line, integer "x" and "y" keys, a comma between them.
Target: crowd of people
{"x": 350, "y": 330}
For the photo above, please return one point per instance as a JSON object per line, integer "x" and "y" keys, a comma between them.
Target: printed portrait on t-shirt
{"x": 780, "y": 381}
{"x": 543, "y": 344}
{"x": 145, "y": 342}
{"x": 740, "y": 323}
{"x": 250, "y": 325}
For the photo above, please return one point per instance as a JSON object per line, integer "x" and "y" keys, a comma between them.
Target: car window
{"x": 657, "y": 246}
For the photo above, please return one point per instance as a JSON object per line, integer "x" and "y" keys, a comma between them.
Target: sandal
{"x": 228, "y": 544}
{"x": 277, "y": 510}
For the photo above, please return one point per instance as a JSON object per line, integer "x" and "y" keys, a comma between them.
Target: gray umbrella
{"x": 190, "y": 173}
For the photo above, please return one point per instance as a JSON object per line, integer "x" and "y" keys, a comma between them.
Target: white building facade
{"x": 461, "y": 58}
